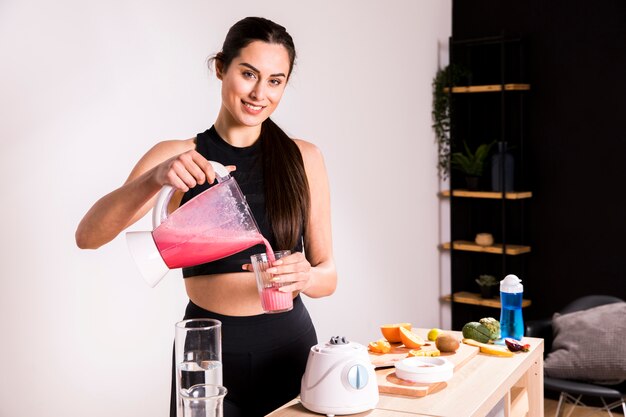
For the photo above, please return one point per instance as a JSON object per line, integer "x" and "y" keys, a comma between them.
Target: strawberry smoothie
{"x": 272, "y": 299}
{"x": 275, "y": 301}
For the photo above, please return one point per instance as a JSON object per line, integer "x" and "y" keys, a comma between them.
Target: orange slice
{"x": 391, "y": 332}
{"x": 410, "y": 339}
{"x": 379, "y": 346}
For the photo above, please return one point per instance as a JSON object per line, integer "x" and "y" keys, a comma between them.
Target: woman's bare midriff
{"x": 232, "y": 294}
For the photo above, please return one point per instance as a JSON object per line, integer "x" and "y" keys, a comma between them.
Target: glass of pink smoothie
{"x": 272, "y": 299}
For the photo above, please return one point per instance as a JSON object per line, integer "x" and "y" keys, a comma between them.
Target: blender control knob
{"x": 358, "y": 376}
{"x": 338, "y": 340}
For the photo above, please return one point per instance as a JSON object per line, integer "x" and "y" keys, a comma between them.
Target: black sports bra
{"x": 249, "y": 176}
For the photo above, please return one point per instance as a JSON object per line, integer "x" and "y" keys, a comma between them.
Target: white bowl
{"x": 424, "y": 369}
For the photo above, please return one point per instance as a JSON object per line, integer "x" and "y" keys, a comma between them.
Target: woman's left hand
{"x": 294, "y": 271}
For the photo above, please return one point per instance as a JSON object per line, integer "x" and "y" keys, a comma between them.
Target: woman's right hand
{"x": 174, "y": 163}
{"x": 184, "y": 171}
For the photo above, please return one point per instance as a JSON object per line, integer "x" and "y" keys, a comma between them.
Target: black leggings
{"x": 263, "y": 358}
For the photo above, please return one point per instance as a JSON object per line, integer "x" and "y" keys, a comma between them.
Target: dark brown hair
{"x": 286, "y": 186}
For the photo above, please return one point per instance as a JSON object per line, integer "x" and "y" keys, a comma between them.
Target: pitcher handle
{"x": 159, "y": 212}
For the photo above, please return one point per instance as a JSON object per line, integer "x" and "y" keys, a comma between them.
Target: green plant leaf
{"x": 471, "y": 163}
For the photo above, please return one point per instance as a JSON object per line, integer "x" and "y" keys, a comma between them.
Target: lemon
{"x": 433, "y": 333}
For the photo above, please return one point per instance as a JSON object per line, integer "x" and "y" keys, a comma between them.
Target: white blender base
{"x": 339, "y": 410}
{"x": 147, "y": 257}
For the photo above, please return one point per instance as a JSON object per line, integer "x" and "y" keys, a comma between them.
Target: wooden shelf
{"x": 488, "y": 88}
{"x": 511, "y": 195}
{"x": 496, "y": 248}
{"x": 464, "y": 297}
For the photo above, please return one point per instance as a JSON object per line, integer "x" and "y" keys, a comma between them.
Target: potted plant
{"x": 471, "y": 163}
{"x": 487, "y": 284}
{"x": 441, "y": 119}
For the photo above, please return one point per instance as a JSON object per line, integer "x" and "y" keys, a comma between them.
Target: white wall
{"x": 87, "y": 87}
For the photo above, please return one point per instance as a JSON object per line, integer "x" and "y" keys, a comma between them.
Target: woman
{"x": 286, "y": 186}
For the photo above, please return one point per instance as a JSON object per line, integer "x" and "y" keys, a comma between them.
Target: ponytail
{"x": 287, "y": 197}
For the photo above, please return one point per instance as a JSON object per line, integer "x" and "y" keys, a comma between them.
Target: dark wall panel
{"x": 577, "y": 140}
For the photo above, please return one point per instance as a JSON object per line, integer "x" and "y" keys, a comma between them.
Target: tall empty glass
{"x": 198, "y": 355}
{"x": 203, "y": 401}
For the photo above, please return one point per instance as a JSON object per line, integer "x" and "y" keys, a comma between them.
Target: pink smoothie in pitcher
{"x": 180, "y": 251}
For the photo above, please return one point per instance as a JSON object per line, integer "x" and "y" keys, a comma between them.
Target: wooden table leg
{"x": 526, "y": 396}
{"x": 535, "y": 388}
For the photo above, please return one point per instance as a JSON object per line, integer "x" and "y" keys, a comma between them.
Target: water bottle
{"x": 511, "y": 321}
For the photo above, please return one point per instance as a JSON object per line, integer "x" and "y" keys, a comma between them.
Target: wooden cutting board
{"x": 390, "y": 384}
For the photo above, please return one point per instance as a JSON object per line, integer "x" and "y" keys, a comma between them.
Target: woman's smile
{"x": 251, "y": 108}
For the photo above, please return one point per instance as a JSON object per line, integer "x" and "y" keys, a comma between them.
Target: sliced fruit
{"x": 410, "y": 339}
{"x": 379, "y": 346}
{"x": 496, "y": 350}
{"x": 493, "y": 325}
{"x": 433, "y": 333}
{"x": 476, "y": 343}
{"x": 434, "y": 352}
{"x": 477, "y": 331}
{"x": 391, "y": 332}
{"x": 489, "y": 349}
{"x": 515, "y": 346}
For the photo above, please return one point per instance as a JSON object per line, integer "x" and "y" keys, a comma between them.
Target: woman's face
{"x": 254, "y": 82}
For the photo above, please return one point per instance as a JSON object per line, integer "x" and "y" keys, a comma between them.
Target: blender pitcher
{"x": 214, "y": 224}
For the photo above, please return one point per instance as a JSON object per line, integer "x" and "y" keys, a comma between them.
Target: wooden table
{"x": 473, "y": 391}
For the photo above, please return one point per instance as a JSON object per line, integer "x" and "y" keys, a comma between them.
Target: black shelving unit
{"x": 488, "y": 104}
